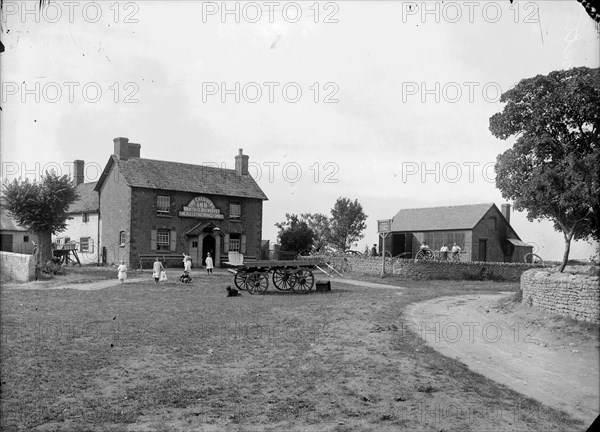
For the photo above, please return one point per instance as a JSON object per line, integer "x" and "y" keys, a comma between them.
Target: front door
{"x": 193, "y": 252}
{"x": 208, "y": 246}
{"x": 482, "y": 250}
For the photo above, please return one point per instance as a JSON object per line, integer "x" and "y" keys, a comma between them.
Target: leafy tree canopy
{"x": 41, "y": 206}
{"x": 294, "y": 234}
{"x": 553, "y": 169}
{"x": 348, "y": 221}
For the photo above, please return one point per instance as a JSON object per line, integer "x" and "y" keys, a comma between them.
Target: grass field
{"x": 145, "y": 357}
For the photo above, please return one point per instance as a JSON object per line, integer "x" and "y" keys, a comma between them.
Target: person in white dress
{"x": 157, "y": 269}
{"x": 122, "y": 272}
{"x": 209, "y": 264}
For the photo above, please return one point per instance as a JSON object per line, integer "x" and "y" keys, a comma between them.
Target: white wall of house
{"x": 17, "y": 241}
{"x": 77, "y": 231}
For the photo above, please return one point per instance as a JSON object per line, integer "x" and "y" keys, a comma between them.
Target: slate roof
{"x": 176, "y": 176}
{"x": 7, "y": 223}
{"x": 439, "y": 218}
{"x": 87, "y": 201}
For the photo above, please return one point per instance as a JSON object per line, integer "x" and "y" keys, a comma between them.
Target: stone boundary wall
{"x": 575, "y": 296}
{"x": 423, "y": 270}
{"x": 17, "y": 267}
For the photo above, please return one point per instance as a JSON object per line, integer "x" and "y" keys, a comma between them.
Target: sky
{"x": 386, "y": 102}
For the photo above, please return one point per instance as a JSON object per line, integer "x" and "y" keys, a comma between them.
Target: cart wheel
{"x": 424, "y": 255}
{"x": 305, "y": 280}
{"x": 240, "y": 280}
{"x": 283, "y": 279}
{"x": 257, "y": 283}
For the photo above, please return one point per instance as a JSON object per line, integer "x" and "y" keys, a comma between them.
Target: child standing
{"x": 157, "y": 269}
{"x": 209, "y": 264}
{"x": 122, "y": 272}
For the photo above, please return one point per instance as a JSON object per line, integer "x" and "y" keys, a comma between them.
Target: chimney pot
{"x": 78, "y": 171}
{"x": 241, "y": 163}
{"x": 121, "y": 147}
{"x": 506, "y": 211}
{"x": 134, "y": 150}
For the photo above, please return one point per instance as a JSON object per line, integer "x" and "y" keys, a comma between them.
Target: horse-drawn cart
{"x": 294, "y": 276}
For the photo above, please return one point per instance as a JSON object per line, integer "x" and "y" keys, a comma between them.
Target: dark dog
{"x": 185, "y": 277}
{"x": 232, "y": 292}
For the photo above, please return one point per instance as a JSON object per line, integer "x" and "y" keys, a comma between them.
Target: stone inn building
{"x": 482, "y": 231}
{"x": 152, "y": 208}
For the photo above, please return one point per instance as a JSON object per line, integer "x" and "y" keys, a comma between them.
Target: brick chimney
{"x": 134, "y": 150}
{"x": 241, "y": 163}
{"x": 506, "y": 211}
{"x": 121, "y": 147}
{"x": 78, "y": 177}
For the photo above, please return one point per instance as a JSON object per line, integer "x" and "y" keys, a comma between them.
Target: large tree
{"x": 41, "y": 207}
{"x": 347, "y": 223}
{"x": 553, "y": 169}
{"x": 294, "y": 234}
{"x": 320, "y": 225}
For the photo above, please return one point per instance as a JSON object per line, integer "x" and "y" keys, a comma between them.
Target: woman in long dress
{"x": 122, "y": 272}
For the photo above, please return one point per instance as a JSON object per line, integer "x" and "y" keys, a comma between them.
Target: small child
{"x": 122, "y": 272}
{"x": 209, "y": 264}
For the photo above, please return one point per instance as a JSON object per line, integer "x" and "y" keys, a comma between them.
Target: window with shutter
{"x": 153, "y": 239}
{"x": 163, "y": 240}
{"x": 173, "y": 240}
{"x": 243, "y": 245}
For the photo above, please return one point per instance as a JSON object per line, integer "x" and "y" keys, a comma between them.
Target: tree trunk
{"x": 44, "y": 248}
{"x": 568, "y": 237}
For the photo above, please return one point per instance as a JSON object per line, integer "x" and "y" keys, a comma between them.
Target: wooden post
{"x": 383, "y": 235}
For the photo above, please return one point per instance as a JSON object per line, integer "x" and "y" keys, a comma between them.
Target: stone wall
{"x": 420, "y": 270}
{"x": 572, "y": 295}
{"x": 17, "y": 267}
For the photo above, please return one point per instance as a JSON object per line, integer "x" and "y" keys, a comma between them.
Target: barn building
{"x": 482, "y": 231}
{"x": 13, "y": 237}
{"x": 151, "y": 208}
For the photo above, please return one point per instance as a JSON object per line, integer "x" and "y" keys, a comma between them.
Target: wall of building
{"x": 115, "y": 214}
{"x": 494, "y": 228}
{"x": 144, "y": 219}
{"x": 575, "y": 296}
{"x": 17, "y": 267}
{"x": 423, "y": 270}
{"x": 21, "y": 242}
{"x": 76, "y": 229}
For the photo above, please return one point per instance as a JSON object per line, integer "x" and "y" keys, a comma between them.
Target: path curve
{"x": 509, "y": 353}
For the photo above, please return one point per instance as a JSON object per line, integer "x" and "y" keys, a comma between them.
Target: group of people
{"x": 159, "y": 273}
{"x": 444, "y": 251}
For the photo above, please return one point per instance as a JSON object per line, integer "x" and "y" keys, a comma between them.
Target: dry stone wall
{"x": 17, "y": 267}
{"x": 572, "y": 295}
{"x": 421, "y": 270}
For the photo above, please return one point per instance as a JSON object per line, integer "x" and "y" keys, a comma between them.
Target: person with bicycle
{"x": 455, "y": 252}
{"x": 426, "y": 250}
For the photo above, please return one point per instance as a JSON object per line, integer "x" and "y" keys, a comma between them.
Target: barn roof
{"x": 7, "y": 223}
{"x": 463, "y": 217}
{"x": 87, "y": 201}
{"x": 176, "y": 176}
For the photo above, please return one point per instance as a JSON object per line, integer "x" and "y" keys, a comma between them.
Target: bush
{"x": 51, "y": 268}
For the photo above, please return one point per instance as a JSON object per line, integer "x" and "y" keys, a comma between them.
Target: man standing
{"x": 455, "y": 252}
{"x": 444, "y": 251}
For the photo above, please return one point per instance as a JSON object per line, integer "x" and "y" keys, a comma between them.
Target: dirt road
{"x": 512, "y": 352}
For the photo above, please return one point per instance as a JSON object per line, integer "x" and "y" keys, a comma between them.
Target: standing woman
{"x": 209, "y": 264}
{"x": 122, "y": 272}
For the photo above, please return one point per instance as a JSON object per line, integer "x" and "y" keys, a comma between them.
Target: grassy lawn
{"x": 145, "y": 357}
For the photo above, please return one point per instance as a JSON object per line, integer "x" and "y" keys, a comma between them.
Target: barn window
{"x": 122, "y": 238}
